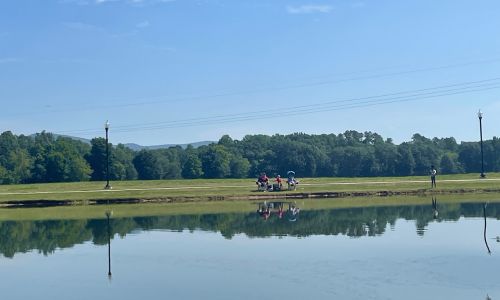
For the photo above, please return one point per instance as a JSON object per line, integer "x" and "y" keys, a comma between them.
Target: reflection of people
{"x": 434, "y": 208}
{"x": 294, "y": 212}
{"x": 264, "y": 211}
{"x": 433, "y": 173}
{"x": 280, "y": 211}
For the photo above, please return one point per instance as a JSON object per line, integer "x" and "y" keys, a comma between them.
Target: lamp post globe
{"x": 106, "y": 127}
{"x": 480, "y": 116}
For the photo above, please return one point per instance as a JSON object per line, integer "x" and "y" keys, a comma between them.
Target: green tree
{"x": 192, "y": 167}
{"x": 121, "y": 167}
{"x": 449, "y": 164}
{"x": 239, "y": 167}
{"x": 469, "y": 156}
{"x": 97, "y": 159}
{"x": 405, "y": 163}
{"x": 148, "y": 166}
{"x": 215, "y": 160}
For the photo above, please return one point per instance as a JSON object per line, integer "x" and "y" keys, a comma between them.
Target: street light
{"x": 106, "y": 127}
{"x": 480, "y": 116}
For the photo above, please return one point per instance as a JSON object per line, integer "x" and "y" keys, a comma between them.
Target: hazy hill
{"x": 137, "y": 147}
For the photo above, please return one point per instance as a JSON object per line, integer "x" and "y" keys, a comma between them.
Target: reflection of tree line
{"x": 46, "y": 236}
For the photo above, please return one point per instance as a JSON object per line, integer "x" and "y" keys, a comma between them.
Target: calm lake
{"x": 282, "y": 251}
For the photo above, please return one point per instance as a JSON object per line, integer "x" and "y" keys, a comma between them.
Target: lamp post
{"x": 106, "y": 127}
{"x": 108, "y": 215}
{"x": 480, "y": 116}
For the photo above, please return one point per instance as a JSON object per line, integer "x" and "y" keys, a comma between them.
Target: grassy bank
{"x": 217, "y": 207}
{"x": 223, "y": 189}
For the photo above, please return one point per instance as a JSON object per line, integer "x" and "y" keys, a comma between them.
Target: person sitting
{"x": 291, "y": 181}
{"x": 278, "y": 182}
{"x": 262, "y": 182}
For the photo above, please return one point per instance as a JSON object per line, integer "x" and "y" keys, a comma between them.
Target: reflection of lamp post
{"x": 108, "y": 215}
{"x": 484, "y": 232}
{"x": 480, "y": 116}
{"x": 106, "y": 127}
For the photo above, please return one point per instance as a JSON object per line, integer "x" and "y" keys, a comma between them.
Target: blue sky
{"x": 178, "y": 71}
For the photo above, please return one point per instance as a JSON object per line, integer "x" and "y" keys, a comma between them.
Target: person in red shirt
{"x": 278, "y": 181}
{"x": 262, "y": 181}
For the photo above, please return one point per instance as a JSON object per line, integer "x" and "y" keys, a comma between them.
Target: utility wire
{"x": 405, "y": 96}
{"x": 314, "y": 105}
{"x": 142, "y": 102}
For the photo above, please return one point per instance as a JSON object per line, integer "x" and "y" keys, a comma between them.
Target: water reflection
{"x": 109, "y": 213}
{"x": 47, "y": 236}
{"x": 484, "y": 232}
{"x": 266, "y": 209}
{"x": 435, "y": 213}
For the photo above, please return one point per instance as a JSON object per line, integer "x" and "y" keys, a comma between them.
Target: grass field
{"x": 209, "y": 189}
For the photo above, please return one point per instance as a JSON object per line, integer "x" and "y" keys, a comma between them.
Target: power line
{"x": 404, "y": 96}
{"x": 140, "y": 101}
{"x": 315, "y": 105}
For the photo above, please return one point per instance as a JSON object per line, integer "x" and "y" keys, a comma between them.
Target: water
{"x": 396, "y": 252}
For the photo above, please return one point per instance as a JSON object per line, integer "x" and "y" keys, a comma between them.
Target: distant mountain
{"x": 86, "y": 141}
{"x": 137, "y": 147}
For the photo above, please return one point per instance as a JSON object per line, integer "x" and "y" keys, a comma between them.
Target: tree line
{"x": 47, "y": 236}
{"x": 44, "y": 157}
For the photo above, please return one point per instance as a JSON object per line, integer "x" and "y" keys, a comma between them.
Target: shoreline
{"x": 249, "y": 197}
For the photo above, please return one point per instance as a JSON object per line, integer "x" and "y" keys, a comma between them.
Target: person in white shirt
{"x": 433, "y": 177}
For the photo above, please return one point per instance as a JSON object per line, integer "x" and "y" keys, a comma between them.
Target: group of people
{"x": 264, "y": 185}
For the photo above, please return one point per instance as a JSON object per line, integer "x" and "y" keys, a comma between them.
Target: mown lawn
{"x": 203, "y": 188}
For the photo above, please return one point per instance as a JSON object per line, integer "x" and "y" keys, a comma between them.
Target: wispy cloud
{"x": 309, "y": 9}
{"x": 102, "y": 2}
{"x": 8, "y": 60}
{"x": 358, "y": 4}
{"x": 80, "y": 26}
{"x": 105, "y": 1}
{"x": 67, "y": 61}
{"x": 160, "y": 48}
{"x": 134, "y": 31}
{"x": 143, "y": 24}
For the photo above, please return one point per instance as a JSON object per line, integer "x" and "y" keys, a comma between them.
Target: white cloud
{"x": 104, "y": 1}
{"x": 143, "y": 24}
{"x": 309, "y": 9}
